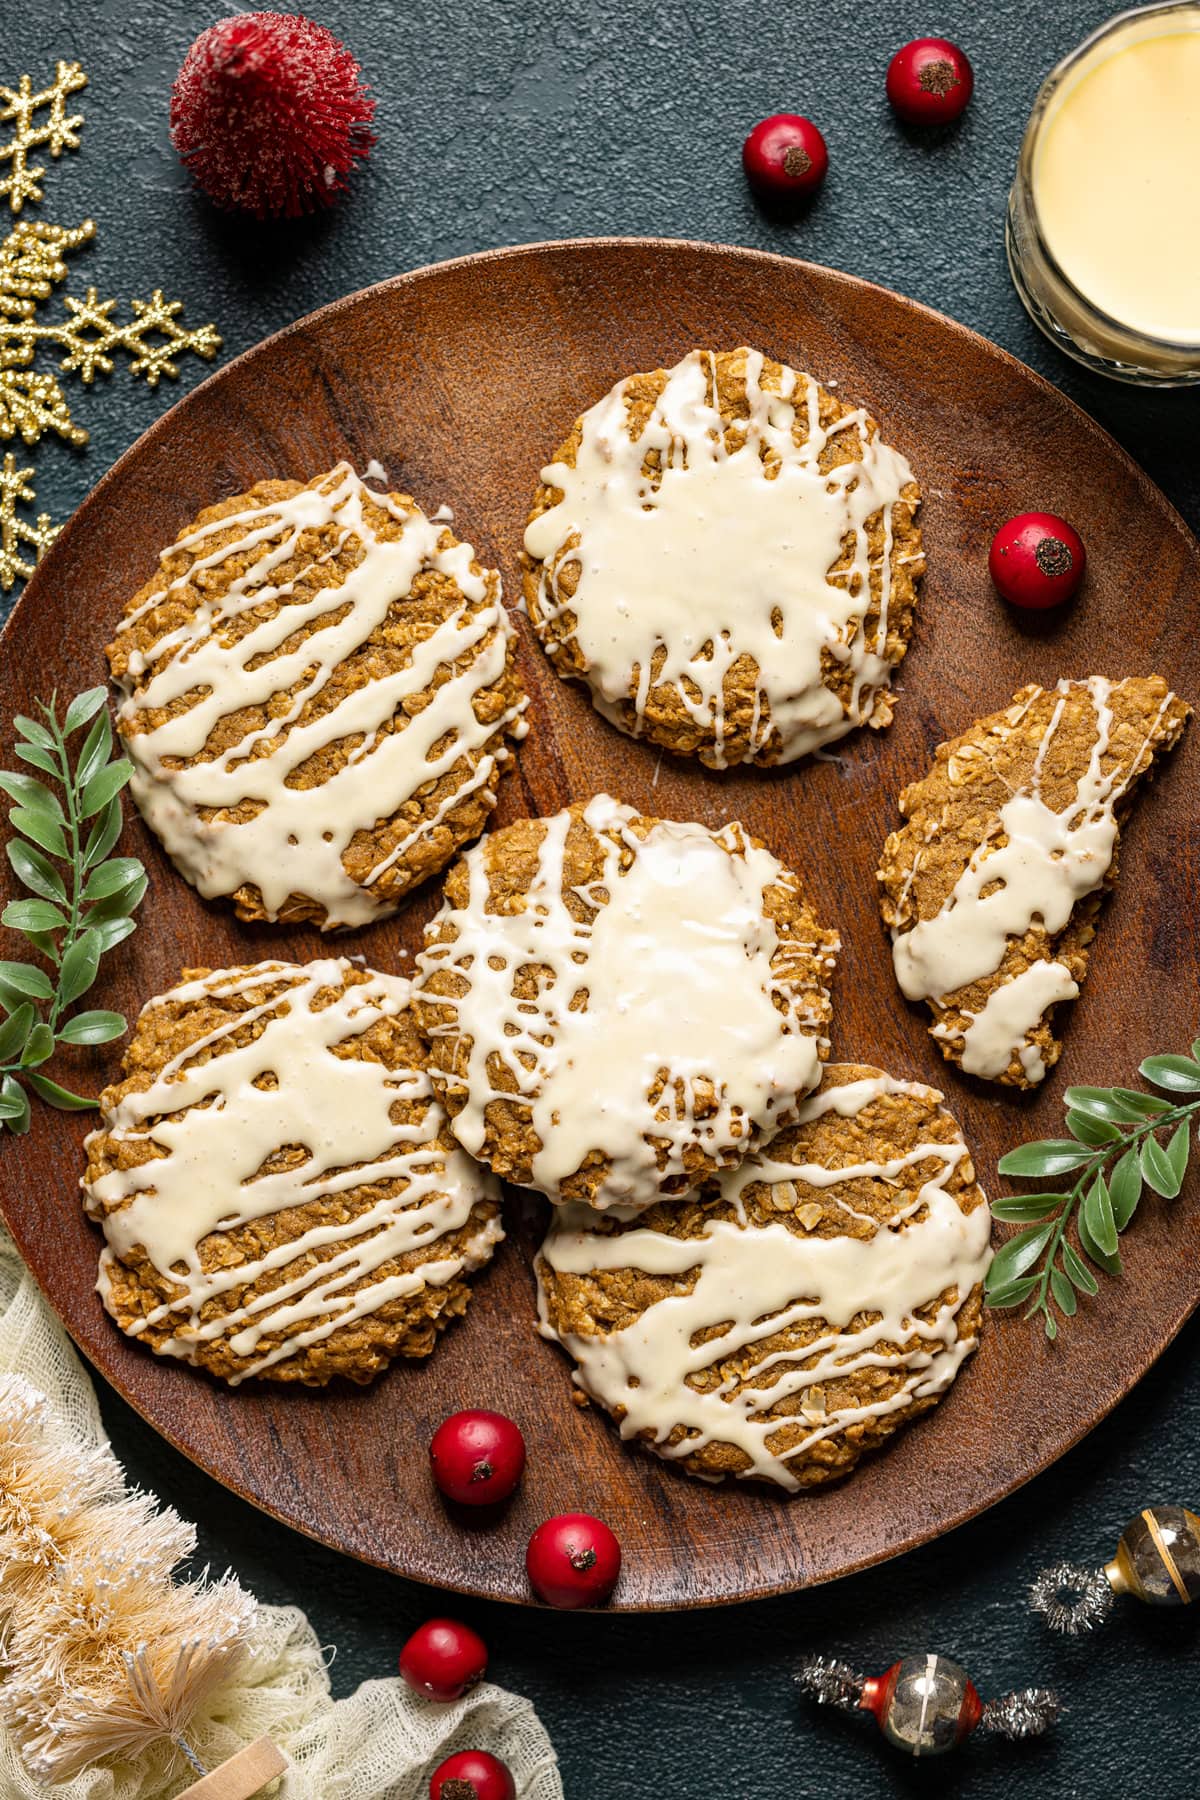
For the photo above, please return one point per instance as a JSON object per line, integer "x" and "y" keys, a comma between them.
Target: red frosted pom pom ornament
{"x": 573, "y": 1560}
{"x": 472, "y": 1775}
{"x": 443, "y": 1660}
{"x": 1037, "y": 560}
{"x": 785, "y": 158}
{"x": 269, "y": 114}
{"x": 477, "y": 1457}
{"x": 929, "y": 82}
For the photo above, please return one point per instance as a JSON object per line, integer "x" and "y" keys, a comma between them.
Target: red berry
{"x": 930, "y": 81}
{"x": 477, "y": 1457}
{"x": 1037, "y": 560}
{"x": 573, "y": 1560}
{"x": 785, "y": 157}
{"x": 443, "y": 1660}
{"x": 269, "y": 113}
{"x": 472, "y": 1775}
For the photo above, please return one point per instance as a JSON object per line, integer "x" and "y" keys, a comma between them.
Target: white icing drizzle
{"x": 339, "y": 1109}
{"x": 710, "y": 560}
{"x": 1049, "y": 862}
{"x": 755, "y": 1281}
{"x": 295, "y": 841}
{"x": 1000, "y": 1031}
{"x": 677, "y": 967}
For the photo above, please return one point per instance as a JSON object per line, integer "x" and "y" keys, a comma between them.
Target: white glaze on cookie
{"x": 677, "y": 966}
{"x": 230, "y": 1123}
{"x": 1045, "y": 864}
{"x": 295, "y": 841}
{"x": 754, "y": 1281}
{"x": 722, "y": 553}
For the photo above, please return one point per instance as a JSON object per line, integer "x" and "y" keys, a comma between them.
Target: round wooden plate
{"x": 460, "y": 380}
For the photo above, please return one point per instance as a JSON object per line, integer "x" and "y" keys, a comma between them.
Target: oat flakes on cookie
{"x": 728, "y": 556}
{"x": 618, "y": 1006}
{"x": 318, "y": 693}
{"x": 794, "y": 1314}
{"x": 993, "y": 887}
{"x": 278, "y": 1187}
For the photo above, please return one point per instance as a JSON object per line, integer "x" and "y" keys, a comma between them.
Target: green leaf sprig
{"x": 66, "y": 819}
{"x": 1116, "y": 1149}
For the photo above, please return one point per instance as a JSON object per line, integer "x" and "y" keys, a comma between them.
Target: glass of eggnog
{"x": 1104, "y": 214}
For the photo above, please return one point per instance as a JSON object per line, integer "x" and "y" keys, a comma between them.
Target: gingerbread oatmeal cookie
{"x": 993, "y": 886}
{"x": 318, "y": 697}
{"x": 617, "y": 1006}
{"x": 278, "y": 1187}
{"x": 728, "y": 555}
{"x": 789, "y": 1317}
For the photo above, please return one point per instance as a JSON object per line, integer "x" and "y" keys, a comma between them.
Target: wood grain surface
{"x": 460, "y": 380}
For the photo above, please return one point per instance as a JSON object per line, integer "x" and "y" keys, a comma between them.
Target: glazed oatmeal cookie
{"x": 617, "y": 1006}
{"x": 728, "y": 556}
{"x": 794, "y": 1314}
{"x": 318, "y": 695}
{"x": 278, "y": 1187}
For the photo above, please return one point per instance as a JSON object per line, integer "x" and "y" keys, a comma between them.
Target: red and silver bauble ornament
{"x": 926, "y": 1705}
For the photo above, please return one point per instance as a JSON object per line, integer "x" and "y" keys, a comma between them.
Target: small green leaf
{"x": 32, "y": 915}
{"x": 1012, "y": 1293}
{"x": 17, "y": 1102}
{"x": 40, "y": 830}
{"x": 33, "y": 732}
{"x": 92, "y": 1028}
{"x": 1157, "y": 1171}
{"x": 1078, "y": 1270}
{"x": 112, "y": 931}
{"x": 35, "y": 871}
{"x": 1047, "y": 1156}
{"x": 14, "y": 1033}
{"x": 1145, "y": 1105}
{"x": 27, "y": 978}
{"x": 95, "y": 753}
{"x": 1178, "y": 1074}
{"x": 1093, "y": 1131}
{"x": 40, "y": 1047}
{"x": 27, "y": 791}
{"x": 1064, "y": 1293}
{"x": 1018, "y": 1254}
{"x": 83, "y": 707}
{"x": 79, "y": 966}
{"x": 104, "y": 786}
{"x": 1051, "y": 1327}
{"x": 1125, "y": 1188}
{"x": 1196, "y": 1049}
{"x": 1097, "y": 1214}
{"x": 111, "y": 877}
{"x": 58, "y": 1096}
{"x": 1101, "y": 1103}
{"x": 120, "y": 904}
{"x": 41, "y": 759}
{"x": 103, "y": 835}
{"x": 1177, "y": 1150}
{"x": 1023, "y": 1207}
{"x": 1110, "y": 1264}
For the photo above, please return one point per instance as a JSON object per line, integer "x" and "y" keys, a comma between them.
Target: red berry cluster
{"x": 477, "y": 1459}
{"x": 929, "y": 82}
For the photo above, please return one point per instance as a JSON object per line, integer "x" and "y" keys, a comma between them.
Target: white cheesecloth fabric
{"x": 378, "y": 1744}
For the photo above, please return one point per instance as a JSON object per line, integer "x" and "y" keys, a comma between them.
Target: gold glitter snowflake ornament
{"x": 15, "y": 532}
{"x": 19, "y": 107}
{"x": 87, "y": 336}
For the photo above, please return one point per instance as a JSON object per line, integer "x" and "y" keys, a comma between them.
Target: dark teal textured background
{"x": 502, "y": 123}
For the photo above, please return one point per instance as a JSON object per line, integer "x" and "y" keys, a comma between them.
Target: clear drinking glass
{"x": 1067, "y": 316}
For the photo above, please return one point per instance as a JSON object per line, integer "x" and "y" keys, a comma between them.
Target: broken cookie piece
{"x": 992, "y": 887}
